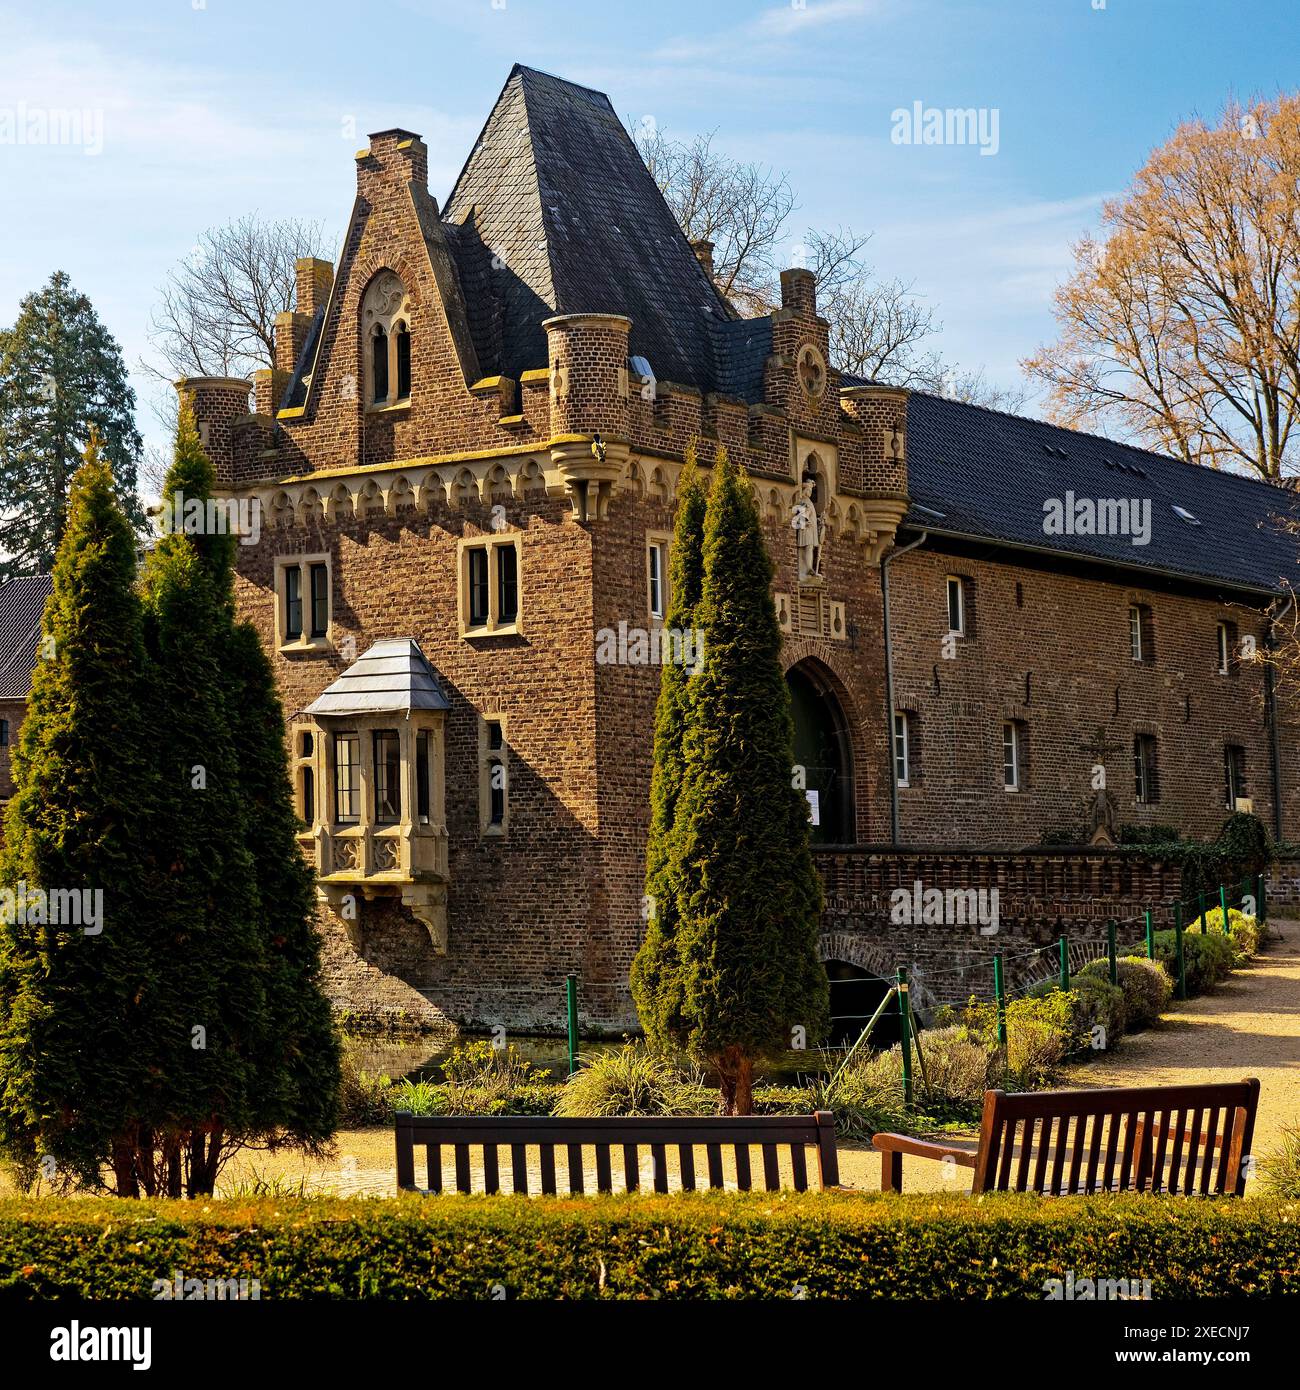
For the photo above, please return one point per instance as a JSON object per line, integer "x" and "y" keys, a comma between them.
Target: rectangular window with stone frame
{"x": 489, "y": 585}
{"x": 303, "y": 585}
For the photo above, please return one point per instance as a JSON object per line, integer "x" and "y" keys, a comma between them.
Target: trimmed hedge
{"x": 715, "y": 1245}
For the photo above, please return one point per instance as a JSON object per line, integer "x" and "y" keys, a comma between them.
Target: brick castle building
{"x": 466, "y": 458}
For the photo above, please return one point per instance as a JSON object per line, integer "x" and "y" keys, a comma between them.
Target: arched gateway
{"x": 823, "y": 749}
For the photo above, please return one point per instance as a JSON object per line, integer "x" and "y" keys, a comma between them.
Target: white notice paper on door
{"x": 812, "y": 796}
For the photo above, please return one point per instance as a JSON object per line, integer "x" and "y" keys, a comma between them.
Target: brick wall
{"x": 1051, "y": 650}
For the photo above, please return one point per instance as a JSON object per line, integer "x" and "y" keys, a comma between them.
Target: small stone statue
{"x": 807, "y": 530}
{"x": 1101, "y": 817}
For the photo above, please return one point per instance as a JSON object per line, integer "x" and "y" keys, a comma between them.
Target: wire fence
{"x": 1125, "y": 936}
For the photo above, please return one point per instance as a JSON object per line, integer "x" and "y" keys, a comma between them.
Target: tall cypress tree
{"x": 748, "y": 895}
{"x": 80, "y": 1073}
{"x": 656, "y": 986}
{"x": 247, "y": 963}
{"x": 297, "y": 1061}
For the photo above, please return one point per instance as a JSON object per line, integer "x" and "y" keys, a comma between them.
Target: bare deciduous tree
{"x": 741, "y": 208}
{"x": 216, "y": 316}
{"x": 1182, "y": 325}
{"x": 879, "y": 328}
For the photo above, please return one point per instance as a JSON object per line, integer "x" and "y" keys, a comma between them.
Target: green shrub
{"x": 866, "y": 1096}
{"x": 1244, "y": 931}
{"x": 635, "y": 1080}
{"x": 956, "y": 1074}
{"x": 1280, "y": 1169}
{"x": 1207, "y": 958}
{"x": 1145, "y": 984}
{"x": 363, "y": 1099}
{"x": 680, "y": 1246}
{"x": 1039, "y": 1034}
{"x": 1094, "y": 1010}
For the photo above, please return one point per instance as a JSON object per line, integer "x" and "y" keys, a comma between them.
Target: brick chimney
{"x": 799, "y": 292}
{"x": 704, "y": 254}
{"x": 394, "y": 157}
{"x": 314, "y": 281}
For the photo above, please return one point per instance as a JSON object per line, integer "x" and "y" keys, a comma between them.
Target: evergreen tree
{"x": 297, "y": 1086}
{"x": 61, "y": 374}
{"x": 655, "y": 975}
{"x": 79, "y": 1074}
{"x": 246, "y": 962}
{"x": 748, "y": 895}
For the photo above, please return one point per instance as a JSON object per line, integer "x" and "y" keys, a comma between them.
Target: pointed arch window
{"x": 386, "y": 325}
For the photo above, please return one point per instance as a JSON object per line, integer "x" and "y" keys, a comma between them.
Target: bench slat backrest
{"x": 1174, "y": 1139}
{"x": 474, "y": 1140}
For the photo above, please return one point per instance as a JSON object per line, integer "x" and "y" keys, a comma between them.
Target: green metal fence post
{"x": 1261, "y": 901}
{"x": 1223, "y": 907}
{"x": 1200, "y": 899}
{"x": 1112, "y": 953}
{"x": 1150, "y": 933}
{"x": 905, "y": 1033}
{"x": 571, "y": 1005}
{"x": 1178, "y": 950}
{"x": 1000, "y": 995}
{"x": 1065, "y": 963}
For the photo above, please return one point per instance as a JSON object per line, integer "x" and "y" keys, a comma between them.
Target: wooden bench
{"x": 483, "y": 1135}
{"x": 1149, "y": 1139}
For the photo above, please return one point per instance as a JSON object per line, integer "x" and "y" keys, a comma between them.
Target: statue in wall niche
{"x": 807, "y": 528}
{"x": 1100, "y": 827}
{"x": 1100, "y": 822}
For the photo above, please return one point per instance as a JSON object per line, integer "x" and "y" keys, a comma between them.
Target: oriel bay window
{"x": 375, "y": 739}
{"x": 388, "y": 777}
{"x": 302, "y": 602}
{"x": 489, "y": 585}
{"x": 347, "y": 779}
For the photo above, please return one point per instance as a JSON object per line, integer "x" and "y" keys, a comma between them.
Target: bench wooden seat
{"x": 1187, "y": 1140}
{"x": 619, "y": 1143}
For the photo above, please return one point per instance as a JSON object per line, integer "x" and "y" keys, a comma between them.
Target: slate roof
{"x": 989, "y": 474}
{"x": 394, "y": 675}
{"x": 555, "y": 190}
{"x": 22, "y": 602}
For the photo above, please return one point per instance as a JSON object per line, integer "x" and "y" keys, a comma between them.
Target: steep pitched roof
{"x": 394, "y": 675}
{"x": 22, "y": 602}
{"x": 986, "y": 475}
{"x": 572, "y": 221}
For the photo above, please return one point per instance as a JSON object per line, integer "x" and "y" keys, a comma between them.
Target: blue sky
{"x": 213, "y": 108}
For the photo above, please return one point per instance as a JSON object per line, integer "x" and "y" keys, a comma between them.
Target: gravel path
{"x": 1249, "y": 1026}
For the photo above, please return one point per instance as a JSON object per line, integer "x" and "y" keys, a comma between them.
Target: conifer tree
{"x": 61, "y": 376}
{"x": 747, "y": 894}
{"x": 297, "y": 1062}
{"x": 79, "y": 1065}
{"x": 655, "y": 976}
{"x": 247, "y": 958}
